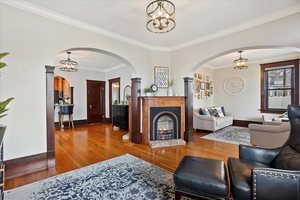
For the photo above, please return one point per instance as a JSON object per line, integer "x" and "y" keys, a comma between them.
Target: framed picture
{"x": 202, "y": 85}
{"x": 161, "y": 77}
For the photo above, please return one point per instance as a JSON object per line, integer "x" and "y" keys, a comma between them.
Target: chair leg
{"x": 177, "y": 195}
{"x": 69, "y": 121}
{"x": 61, "y": 122}
{"x": 72, "y": 121}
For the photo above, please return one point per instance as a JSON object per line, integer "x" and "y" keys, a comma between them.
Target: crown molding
{"x": 260, "y": 21}
{"x": 83, "y": 25}
{"x": 77, "y": 23}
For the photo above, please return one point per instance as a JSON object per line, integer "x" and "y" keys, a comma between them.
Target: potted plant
{"x": 3, "y": 104}
{"x": 148, "y": 91}
{"x": 170, "y": 88}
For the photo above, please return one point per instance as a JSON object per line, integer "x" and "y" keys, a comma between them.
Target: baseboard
{"x": 244, "y": 123}
{"x": 76, "y": 123}
{"x": 26, "y": 165}
{"x": 107, "y": 120}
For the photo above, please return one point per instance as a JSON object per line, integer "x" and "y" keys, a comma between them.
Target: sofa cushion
{"x": 288, "y": 159}
{"x": 241, "y": 177}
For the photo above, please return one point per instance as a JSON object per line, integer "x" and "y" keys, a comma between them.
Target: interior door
{"x": 95, "y": 101}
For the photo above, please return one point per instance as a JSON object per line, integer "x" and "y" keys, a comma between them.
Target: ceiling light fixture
{"x": 161, "y": 16}
{"x": 69, "y": 65}
{"x": 240, "y": 63}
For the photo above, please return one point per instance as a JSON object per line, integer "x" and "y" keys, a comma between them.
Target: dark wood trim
{"x": 111, "y": 81}
{"x": 72, "y": 95}
{"x": 188, "y": 93}
{"x": 295, "y": 94}
{"x": 135, "y": 121}
{"x": 244, "y": 123}
{"x": 26, "y": 165}
{"x": 50, "y": 115}
{"x": 87, "y": 106}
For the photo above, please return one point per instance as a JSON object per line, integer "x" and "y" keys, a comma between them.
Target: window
{"x": 279, "y": 86}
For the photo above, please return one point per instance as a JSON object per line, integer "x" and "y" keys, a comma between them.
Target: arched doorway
{"x": 94, "y": 65}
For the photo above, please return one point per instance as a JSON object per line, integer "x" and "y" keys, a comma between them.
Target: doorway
{"x": 114, "y": 93}
{"x": 95, "y": 101}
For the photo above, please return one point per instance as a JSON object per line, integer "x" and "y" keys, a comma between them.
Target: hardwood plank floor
{"x": 85, "y": 145}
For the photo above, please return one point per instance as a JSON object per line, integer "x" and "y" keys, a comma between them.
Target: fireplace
{"x": 165, "y": 123}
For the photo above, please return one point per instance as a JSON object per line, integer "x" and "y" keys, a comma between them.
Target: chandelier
{"x": 160, "y": 16}
{"x": 69, "y": 65}
{"x": 240, "y": 63}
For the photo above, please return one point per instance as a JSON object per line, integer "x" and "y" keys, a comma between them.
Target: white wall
{"x": 34, "y": 42}
{"x": 205, "y": 101}
{"x": 78, "y": 81}
{"x": 245, "y": 105}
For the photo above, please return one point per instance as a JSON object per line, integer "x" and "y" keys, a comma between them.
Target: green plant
{"x": 4, "y": 104}
{"x": 171, "y": 83}
{"x": 116, "y": 102}
{"x": 148, "y": 90}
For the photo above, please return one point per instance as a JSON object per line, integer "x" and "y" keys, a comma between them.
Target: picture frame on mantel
{"x": 161, "y": 76}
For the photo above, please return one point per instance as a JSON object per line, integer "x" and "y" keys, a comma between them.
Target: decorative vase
{"x": 170, "y": 91}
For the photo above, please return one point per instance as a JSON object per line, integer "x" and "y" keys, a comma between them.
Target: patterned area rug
{"x": 231, "y": 134}
{"x": 122, "y": 178}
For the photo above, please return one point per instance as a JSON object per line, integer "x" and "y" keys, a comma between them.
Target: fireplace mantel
{"x": 147, "y": 102}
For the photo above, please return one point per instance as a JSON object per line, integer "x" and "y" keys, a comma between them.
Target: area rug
{"x": 231, "y": 134}
{"x": 121, "y": 178}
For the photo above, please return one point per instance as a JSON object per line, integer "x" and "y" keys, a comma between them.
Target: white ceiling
{"x": 197, "y": 20}
{"x": 93, "y": 61}
{"x": 254, "y": 56}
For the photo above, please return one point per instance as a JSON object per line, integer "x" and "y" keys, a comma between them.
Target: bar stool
{"x": 66, "y": 109}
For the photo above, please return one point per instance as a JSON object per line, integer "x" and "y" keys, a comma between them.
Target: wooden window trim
{"x": 295, "y": 77}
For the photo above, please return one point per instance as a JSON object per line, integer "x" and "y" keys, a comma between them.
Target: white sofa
{"x": 210, "y": 123}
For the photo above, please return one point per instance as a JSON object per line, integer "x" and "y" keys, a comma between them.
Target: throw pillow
{"x": 220, "y": 112}
{"x": 288, "y": 159}
{"x": 204, "y": 111}
{"x": 223, "y": 110}
{"x": 213, "y": 112}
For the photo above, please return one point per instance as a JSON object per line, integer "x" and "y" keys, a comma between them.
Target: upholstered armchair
{"x": 268, "y": 174}
{"x": 269, "y": 135}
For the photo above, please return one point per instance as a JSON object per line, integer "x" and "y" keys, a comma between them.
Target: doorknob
{"x": 90, "y": 106}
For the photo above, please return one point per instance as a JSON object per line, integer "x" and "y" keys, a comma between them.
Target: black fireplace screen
{"x": 165, "y": 123}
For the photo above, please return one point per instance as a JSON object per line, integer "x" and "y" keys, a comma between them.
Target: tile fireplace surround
{"x": 169, "y": 107}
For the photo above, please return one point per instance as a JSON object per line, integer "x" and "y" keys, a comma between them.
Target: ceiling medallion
{"x": 69, "y": 65}
{"x": 240, "y": 63}
{"x": 161, "y": 16}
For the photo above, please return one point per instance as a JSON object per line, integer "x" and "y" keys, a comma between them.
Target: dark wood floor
{"x": 85, "y": 145}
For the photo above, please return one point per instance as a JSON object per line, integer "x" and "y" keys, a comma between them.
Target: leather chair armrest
{"x": 258, "y": 154}
{"x": 275, "y": 184}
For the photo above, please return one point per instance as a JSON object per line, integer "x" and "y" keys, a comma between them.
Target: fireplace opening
{"x": 165, "y": 123}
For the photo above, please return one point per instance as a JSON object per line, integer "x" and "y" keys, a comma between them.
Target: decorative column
{"x": 188, "y": 93}
{"x": 136, "y": 135}
{"x": 50, "y": 116}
